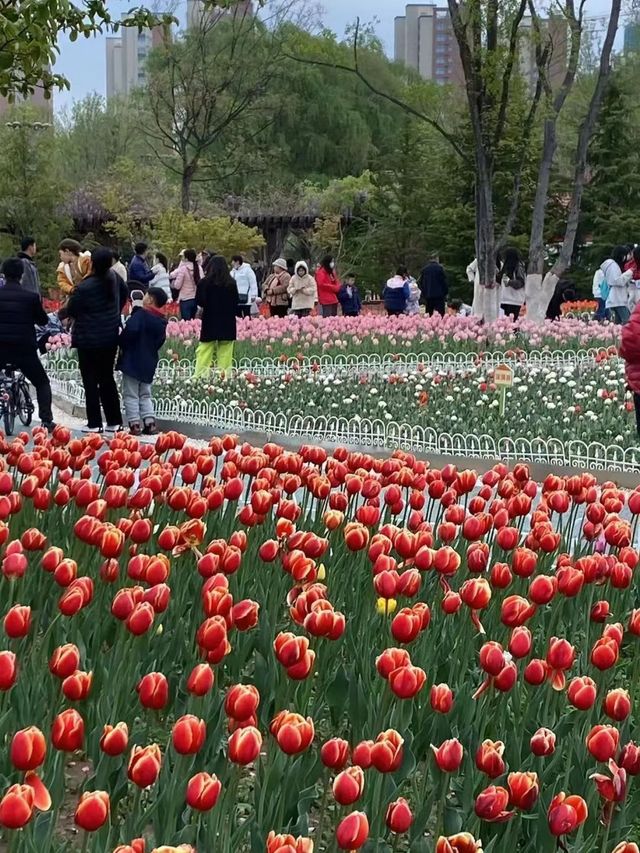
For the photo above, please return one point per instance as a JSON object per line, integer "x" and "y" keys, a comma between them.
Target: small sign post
{"x": 503, "y": 378}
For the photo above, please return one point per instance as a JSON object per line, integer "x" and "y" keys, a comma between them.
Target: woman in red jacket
{"x": 328, "y": 286}
{"x": 630, "y": 351}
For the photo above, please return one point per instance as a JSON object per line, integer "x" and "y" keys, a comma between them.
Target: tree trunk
{"x": 539, "y": 291}
{"x": 487, "y": 295}
{"x": 188, "y": 171}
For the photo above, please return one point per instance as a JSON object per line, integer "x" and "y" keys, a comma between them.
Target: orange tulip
{"x": 524, "y": 790}
{"x": 28, "y": 749}
{"x": 288, "y": 844}
{"x": 92, "y": 811}
{"x": 407, "y": 681}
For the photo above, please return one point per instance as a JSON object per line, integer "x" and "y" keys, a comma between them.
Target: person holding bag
{"x": 302, "y": 290}
{"x": 247, "y": 284}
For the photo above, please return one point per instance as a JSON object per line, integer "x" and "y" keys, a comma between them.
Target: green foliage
{"x": 174, "y": 231}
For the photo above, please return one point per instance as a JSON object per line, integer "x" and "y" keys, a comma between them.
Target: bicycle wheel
{"x": 9, "y": 416}
{"x": 24, "y": 403}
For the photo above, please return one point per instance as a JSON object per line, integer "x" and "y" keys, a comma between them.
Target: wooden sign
{"x": 503, "y": 376}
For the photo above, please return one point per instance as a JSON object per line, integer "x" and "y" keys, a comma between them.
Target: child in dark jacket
{"x": 140, "y": 344}
{"x": 349, "y": 297}
{"x": 396, "y": 293}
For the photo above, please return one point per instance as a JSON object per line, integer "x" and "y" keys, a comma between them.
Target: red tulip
{"x": 407, "y": 681}
{"x": 153, "y": 691}
{"x": 630, "y": 758}
{"x": 441, "y": 698}
{"x": 293, "y": 732}
{"x": 17, "y": 621}
{"x": 543, "y": 742}
{"x": 144, "y": 765}
{"x": 245, "y": 745}
{"x": 406, "y": 625}
{"x": 617, "y": 704}
{"x": 16, "y": 807}
{"x": 520, "y": 642}
{"x": 536, "y": 672}
{"x": 28, "y": 749}
{"x": 604, "y": 653}
{"x": 399, "y": 816}
{"x": 140, "y": 619}
{"x": 245, "y": 614}
{"x": 200, "y": 679}
{"x": 492, "y": 658}
{"x": 602, "y": 742}
{"x": 476, "y": 593}
{"x": 188, "y": 734}
{"x": 626, "y": 847}
{"x": 92, "y": 811}
{"x": 203, "y": 791}
{"x": 489, "y": 758}
{"x": 491, "y": 804}
{"x": 524, "y": 790}
{"x": 392, "y": 659}
{"x": 386, "y": 753}
{"x": 334, "y": 753}
{"x": 448, "y": 755}
{"x": 542, "y": 589}
{"x": 67, "y": 731}
{"x": 560, "y": 657}
{"x": 582, "y": 692}
{"x": 241, "y": 702}
{"x": 348, "y": 786}
{"x": 352, "y": 831}
{"x": 614, "y": 788}
{"x": 77, "y": 686}
{"x": 516, "y": 611}
{"x": 8, "y": 670}
{"x": 566, "y": 813}
{"x": 462, "y": 842}
{"x": 115, "y": 739}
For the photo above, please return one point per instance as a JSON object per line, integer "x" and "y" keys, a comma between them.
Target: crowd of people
{"x": 117, "y": 318}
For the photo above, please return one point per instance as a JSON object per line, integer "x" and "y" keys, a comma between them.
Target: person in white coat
{"x": 246, "y": 283}
{"x": 615, "y": 283}
{"x": 513, "y": 278}
{"x": 161, "y": 278}
{"x": 302, "y": 290}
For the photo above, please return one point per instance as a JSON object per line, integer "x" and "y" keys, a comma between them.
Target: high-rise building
{"x": 127, "y": 54}
{"x": 197, "y": 15}
{"x": 36, "y": 99}
{"x": 424, "y": 40}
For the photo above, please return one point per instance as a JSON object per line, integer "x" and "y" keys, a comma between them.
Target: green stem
{"x": 85, "y": 842}
{"x": 323, "y": 807}
{"x": 605, "y": 838}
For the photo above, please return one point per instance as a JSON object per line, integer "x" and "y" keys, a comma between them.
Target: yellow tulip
{"x": 386, "y": 606}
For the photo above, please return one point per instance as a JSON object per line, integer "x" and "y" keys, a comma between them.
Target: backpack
{"x": 601, "y": 284}
{"x": 518, "y": 280}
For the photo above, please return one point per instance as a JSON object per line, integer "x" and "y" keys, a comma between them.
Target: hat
{"x": 280, "y": 262}
{"x": 136, "y": 298}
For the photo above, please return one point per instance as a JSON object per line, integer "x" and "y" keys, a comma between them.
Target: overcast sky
{"x": 83, "y": 62}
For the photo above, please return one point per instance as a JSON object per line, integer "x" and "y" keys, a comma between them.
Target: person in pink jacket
{"x": 328, "y": 285}
{"x": 185, "y": 280}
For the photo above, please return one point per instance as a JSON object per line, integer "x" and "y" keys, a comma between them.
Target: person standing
{"x": 396, "y": 293}
{"x": 20, "y": 312}
{"x": 95, "y": 307}
{"x": 160, "y": 271}
{"x": 140, "y": 343}
{"x": 513, "y": 277}
{"x": 30, "y": 276}
{"x": 185, "y": 280}
{"x": 349, "y": 296}
{"x": 615, "y": 283}
{"x": 302, "y": 290}
{"x": 434, "y": 286}
{"x": 139, "y": 271}
{"x": 629, "y": 350}
{"x": 217, "y": 296}
{"x": 68, "y": 270}
{"x": 328, "y": 287}
{"x": 634, "y": 284}
{"x": 247, "y": 284}
{"x": 274, "y": 291}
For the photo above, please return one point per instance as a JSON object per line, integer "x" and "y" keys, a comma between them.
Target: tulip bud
{"x": 245, "y": 745}
{"x": 203, "y": 791}
{"x": 399, "y": 816}
{"x": 28, "y": 749}
{"x": 491, "y": 804}
{"x": 520, "y": 642}
{"x": 524, "y": 790}
{"x": 8, "y": 670}
{"x": 543, "y": 742}
{"x": 67, "y": 731}
{"x": 334, "y": 753}
{"x": 293, "y": 732}
{"x": 617, "y": 704}
{"x": 77, "y": 686}
{"x": 348, "y": 786}
{"x": 629, "y": 758}
{"x": 200, "y": 680}
{"x": 144, "y": 765}
{"x": 352, "y": 831}
{"x": 153, "y": 691}
{"x": 115, "y": 739}
{"x": 448, "y": 755}
{"x": 441, "y": 698}
{"x": 16, "y": 807}
{"x": 188, "y": 735}
{"x": 489, "y": 758}
{"x": 407, "y": 681}
{"x": 17, "y": 621}
{"x": 386, "y": 753}
{"x": 582, "y": 692}
{"x": 536, "y": 672}
{"x": 602, "y": 742}
{"x": 92, "y": 811}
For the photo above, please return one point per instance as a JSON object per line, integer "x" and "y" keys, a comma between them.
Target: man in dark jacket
{"x": 140, "y": 344}
{"x": 433, "y": 286}
{"x": 20, "y": 311}
{"x": 139, "y": 268}
{"x": 30, "y": 276}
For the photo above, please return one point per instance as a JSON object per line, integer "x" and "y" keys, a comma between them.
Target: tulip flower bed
{"x": 315, "y": 336}
{"x": 569, "y": 402}
{"x": 249, "y": 649}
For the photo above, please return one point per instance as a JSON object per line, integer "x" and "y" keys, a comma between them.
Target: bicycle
{"x": 15, "y": 399}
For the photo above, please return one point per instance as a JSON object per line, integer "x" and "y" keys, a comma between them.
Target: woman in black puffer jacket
{"x": 95, "y": 306}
